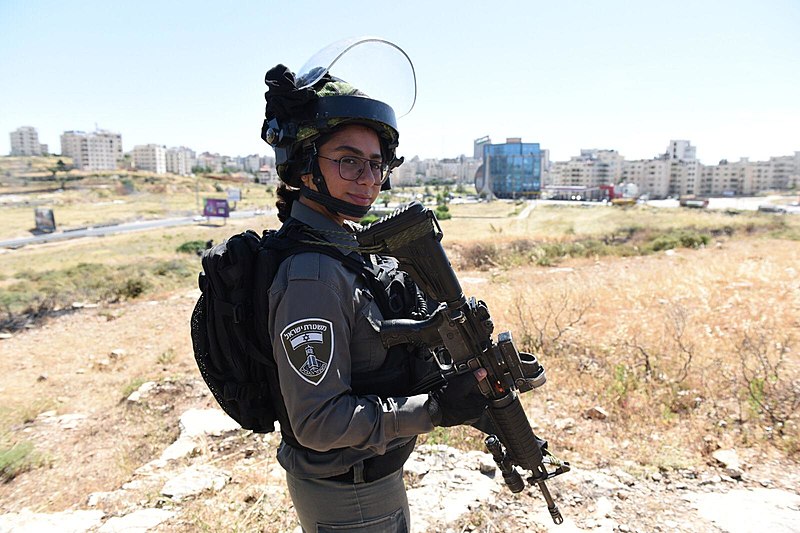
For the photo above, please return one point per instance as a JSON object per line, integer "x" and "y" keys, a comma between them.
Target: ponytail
{"x": 286, "y": 197}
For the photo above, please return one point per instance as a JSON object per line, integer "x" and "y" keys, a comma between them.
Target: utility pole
{"x": 197, "y": 192}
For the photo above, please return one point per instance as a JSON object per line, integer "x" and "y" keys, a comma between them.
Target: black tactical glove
{"x": 458, "y": 401}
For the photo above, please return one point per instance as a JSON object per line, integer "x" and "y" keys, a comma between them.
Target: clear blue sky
{"x": 624, "y": 75}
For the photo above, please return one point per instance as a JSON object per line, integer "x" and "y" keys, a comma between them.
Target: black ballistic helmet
{"x": 293, "y": 125}
{"x": 303, "y": 109}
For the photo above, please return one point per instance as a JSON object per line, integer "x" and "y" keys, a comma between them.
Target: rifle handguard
{"x": 515, "y": 431}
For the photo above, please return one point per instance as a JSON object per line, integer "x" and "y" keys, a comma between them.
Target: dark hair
{"x": 288, "y": 194}
{"x": 286, "y": 197}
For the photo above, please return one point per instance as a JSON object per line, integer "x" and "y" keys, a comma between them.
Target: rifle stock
{"x": 460, "y": 335}
{"x": 412, "y": 235}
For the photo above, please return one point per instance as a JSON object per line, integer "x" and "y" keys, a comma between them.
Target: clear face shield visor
{"x": 377, "y": 67}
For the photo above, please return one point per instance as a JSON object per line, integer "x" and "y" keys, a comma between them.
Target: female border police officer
{"x": 346, "y": 428}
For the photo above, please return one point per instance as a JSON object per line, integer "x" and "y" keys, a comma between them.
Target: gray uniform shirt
{"x": 323, "y": 326}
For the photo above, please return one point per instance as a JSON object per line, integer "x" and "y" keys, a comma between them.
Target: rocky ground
{"x": 188, "y": 467}
{"x": 449, "y": 490}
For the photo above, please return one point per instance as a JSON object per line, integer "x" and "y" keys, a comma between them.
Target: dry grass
{"x": 29, "y": 166}
{"x": 74, "y": 365}
{"x": 120, "y": 249}
{"x": 559, "y": 222}
{"x": 685, "y": 351}
{"x": 37, "y": 281}
{"x": 118, "y": 197}
{"x": 254, "y": 497}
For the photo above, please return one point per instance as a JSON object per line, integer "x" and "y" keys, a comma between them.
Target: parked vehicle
{"x": 690, "y": 200}
{"x": 771, "y": 208}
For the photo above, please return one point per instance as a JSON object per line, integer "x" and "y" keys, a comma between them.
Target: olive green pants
{"x": 325, "y": 506}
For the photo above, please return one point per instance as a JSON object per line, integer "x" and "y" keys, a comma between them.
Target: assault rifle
{"x": 459, "y": 334}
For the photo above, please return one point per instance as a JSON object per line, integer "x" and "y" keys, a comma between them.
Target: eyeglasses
{"x": 351, "y": 167}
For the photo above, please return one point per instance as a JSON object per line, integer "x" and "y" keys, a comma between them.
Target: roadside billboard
{"x": 45, "y": 220}
{"x": 216, "y": 207}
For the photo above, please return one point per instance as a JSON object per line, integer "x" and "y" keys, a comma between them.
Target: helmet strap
{"x": 324, "y": 198}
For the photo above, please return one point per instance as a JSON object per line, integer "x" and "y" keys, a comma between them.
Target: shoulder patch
{"x": 308, "y": 344}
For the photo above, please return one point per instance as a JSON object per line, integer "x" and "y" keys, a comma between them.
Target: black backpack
{"x": 229, "y": 333}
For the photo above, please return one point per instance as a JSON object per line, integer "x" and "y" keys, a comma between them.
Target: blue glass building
{"x": 511, "y": 170}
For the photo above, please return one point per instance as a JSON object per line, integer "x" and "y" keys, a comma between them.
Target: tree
{"x": 59, "y": 167}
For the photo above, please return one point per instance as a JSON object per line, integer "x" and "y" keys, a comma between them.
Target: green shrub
{"x": 176, "y": 268}
{"x": 679, "y": 239}
{"x": 133, "y": 288}
{"x": 693, "y": 240}
{"x": 522, "y": 246}
{"x": 443, "y": 212}
{"x": 132, "y": 386}
{"x": 481, "y": 255}
{"x": 39, "y": 294}
{"x": 15, "y": 460}
{"x": 191, "y": 247}
{"x": 128, "y": 186}
{"x": 664, "y": 242}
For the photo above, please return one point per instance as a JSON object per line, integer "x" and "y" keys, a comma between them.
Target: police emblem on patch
{"x": 308, "y": 344}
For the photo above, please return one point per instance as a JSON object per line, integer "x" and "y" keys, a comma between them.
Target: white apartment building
{"x": 590, "y": 169}
{"x": 684, "y": 168}
{"x": 760, "y": 176}
{"x": 745, "y": 177}
{"x": 105, "y": 150}
{"x": 785, "y": 171}
{"x": 461, "y": 169}
{"x": 677, "y": 172}
{"x": 152, "y": 157}
{"x": 213, "y": 162}
{"x": 726, "y": 179}
{"x": 651, "y": 176}
{"x": 477, "y": 147}
{"x": 25, "y": 141}
{"x": 250, "y": 163}
{"x": 684, "y": 177}
{"x": 73, "y": 144}
{"x": 180, "y": 160}
{"x": 681, "y": 150}
{"x": 267, "y": 175}
{"x": 267, "y": 161}
{"x": 409, "y": 172}
{"x": 100, "y": 150}
{"x": 662, "y": 177}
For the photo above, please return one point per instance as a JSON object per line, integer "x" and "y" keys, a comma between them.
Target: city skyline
{"x": 574, "y": 77}
{"x": 577, "y": 154}
{"x": 506, "y": 170}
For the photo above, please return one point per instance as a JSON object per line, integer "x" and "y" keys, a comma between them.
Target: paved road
{"x": 139, "y": 225}
{"x": 748, "y": 204}
{"x": 742, "y": 204}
